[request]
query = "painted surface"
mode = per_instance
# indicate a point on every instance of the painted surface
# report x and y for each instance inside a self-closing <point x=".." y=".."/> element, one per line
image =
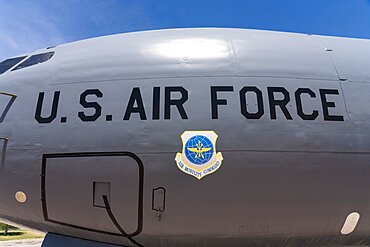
<point x="293" y="133"/>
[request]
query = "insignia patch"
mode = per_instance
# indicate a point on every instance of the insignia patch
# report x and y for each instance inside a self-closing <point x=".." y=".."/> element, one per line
<point x="199" y="157"/>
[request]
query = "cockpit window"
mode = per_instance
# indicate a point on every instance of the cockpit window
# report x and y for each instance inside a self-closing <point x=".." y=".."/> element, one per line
<point x="8" y="63"/>
<point x="35" y="59"/>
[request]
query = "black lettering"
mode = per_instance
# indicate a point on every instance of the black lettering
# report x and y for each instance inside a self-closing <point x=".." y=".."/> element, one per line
<point x="131" y="108"/>
<point x="94" y="105"/>
<point x="179" y="103"/>
<point x="54" y="108"/>
<point x="215" y="102"/>
<point x="298" y="100"/>
<point x="281" y="103"/>
<point x="243" y="103"/>
<point x="156" y="102"/>
<point x="326" y="105"/>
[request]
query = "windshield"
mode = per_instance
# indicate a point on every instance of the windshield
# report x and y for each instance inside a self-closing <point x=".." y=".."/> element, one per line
<point x="9" y="63"/>
<point x="35" y="59"/>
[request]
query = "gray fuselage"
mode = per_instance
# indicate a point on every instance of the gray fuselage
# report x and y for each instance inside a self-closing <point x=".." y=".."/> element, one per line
<point x="105" y="117"/>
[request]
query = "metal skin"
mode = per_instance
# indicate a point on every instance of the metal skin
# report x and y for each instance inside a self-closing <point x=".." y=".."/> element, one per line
<point x="290" y="176"/>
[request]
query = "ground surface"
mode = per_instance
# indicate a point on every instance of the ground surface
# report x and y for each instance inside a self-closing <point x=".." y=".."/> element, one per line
<point x="22" y="243"/>
<point x="19" y="235"/>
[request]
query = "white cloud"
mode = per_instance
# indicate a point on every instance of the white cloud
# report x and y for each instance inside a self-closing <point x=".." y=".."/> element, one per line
<point x="24" y="27"/>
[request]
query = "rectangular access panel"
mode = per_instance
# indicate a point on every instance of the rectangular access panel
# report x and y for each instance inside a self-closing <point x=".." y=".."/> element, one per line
<point x="74" y="186"/>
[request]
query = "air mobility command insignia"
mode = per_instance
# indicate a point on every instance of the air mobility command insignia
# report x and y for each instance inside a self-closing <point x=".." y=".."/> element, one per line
<point x="199" y="157"/>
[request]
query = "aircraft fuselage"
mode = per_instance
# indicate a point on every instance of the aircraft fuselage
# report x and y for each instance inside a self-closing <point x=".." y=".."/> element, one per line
<point x="93" y="140"/>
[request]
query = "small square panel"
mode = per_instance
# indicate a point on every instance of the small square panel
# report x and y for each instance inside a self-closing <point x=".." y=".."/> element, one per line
<point x="101" y="189"/>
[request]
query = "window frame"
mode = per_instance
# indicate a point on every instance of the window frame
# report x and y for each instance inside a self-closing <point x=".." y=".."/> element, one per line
<point x="20" y="59"/>
<point x="24" y="64"/>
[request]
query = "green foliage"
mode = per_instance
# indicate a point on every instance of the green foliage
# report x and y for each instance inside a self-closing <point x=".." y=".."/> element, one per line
<point x="6" y="227"/>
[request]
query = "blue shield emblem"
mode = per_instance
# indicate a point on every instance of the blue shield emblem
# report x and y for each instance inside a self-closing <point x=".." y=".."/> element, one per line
<point x="199" y="157"/>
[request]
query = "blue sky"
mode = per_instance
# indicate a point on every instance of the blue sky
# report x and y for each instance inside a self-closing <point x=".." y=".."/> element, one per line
<point x="29" y="25"/>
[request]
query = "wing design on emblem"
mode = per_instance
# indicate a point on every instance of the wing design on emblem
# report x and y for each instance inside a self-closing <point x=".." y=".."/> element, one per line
<point x="199" y="150"/>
